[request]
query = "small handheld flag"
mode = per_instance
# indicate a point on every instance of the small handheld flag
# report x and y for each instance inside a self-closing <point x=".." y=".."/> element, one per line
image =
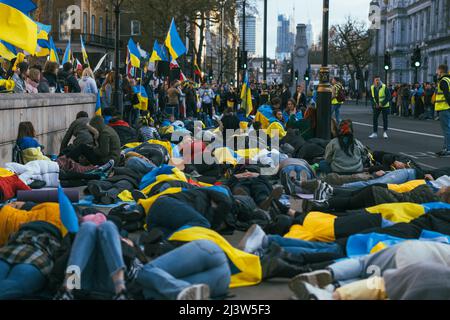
<point x="67" y="54"/>
<point x="84" y="52"/>
<point x="246" y="96"/>
<point x="135" y="55"/>
<point x="98" y="104"/>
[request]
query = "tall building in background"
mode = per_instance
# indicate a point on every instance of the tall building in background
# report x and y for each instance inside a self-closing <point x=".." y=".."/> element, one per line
<point x="285" y="38"/>
<point x="250" y="34"/>
<point x="309" y="34"/>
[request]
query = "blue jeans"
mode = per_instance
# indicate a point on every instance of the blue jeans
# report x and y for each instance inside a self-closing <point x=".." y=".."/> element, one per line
<point x="169" y="214"/>
<point x="139" y="165"/>
<point x="444" y="118"/>
<point x="98" y="253"/>
<point x="394" y="177"/>
<point x="336" y="109"/>
<point x="198" y="262"/>
<point x="19" y="281"/>
<point x="296" y="246"/>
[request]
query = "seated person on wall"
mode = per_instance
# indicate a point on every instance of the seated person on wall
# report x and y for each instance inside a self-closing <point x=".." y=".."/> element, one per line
<point x="82" y="132"/>
<point x="30" y="148"/>
<point x="108" y="145"/>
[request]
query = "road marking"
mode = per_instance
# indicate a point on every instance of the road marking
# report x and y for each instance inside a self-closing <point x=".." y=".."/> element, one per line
<point x="426" y="165"/>
<point x="401" y="130"/>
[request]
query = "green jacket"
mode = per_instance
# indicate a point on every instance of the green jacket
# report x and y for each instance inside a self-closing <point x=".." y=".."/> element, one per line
<point x="108" y="141"/>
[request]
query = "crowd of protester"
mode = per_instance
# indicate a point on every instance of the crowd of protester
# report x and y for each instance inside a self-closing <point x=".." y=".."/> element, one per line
<point x="321" y="213"/>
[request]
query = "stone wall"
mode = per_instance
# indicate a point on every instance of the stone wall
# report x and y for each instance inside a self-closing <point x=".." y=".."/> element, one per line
<point x="51" y="115"/>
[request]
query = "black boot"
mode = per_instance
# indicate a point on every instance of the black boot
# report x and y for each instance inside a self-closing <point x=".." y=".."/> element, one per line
<point x="274" y="266"/>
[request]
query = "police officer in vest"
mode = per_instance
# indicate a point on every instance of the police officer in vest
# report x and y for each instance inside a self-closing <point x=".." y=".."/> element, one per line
<point x="335" y="102"/>
<point x="381" y="98"/>
<point x="442" y="106"/>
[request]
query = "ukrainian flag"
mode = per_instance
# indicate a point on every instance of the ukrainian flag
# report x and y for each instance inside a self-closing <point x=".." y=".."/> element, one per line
<point x="173" y="42"/>
<point x="84" y="52"/>
<point x="135" y="55"/>
<point x="16" y="27"/>
<point x="26" y="6"/>
<point x="246" y="96"/>
<point x="98" y="105"/>
<point x="142" y="96"/>
<point x="159" y="53"/>
<point x="7" y="51"/>
<point x="53" y="51"/>
<point x="67" y="54"/>
<point x="43" y="44"/>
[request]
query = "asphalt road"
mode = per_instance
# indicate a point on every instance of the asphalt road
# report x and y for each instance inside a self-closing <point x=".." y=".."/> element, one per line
<point x="419" y="139"/>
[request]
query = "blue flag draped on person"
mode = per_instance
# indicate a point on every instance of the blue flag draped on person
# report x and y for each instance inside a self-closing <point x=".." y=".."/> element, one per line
<point x="84" y="52"/>
<point x="173" y="42"/>
<point x="16" y="27"/>
<point x="135" y="55"/>
<point x="67" y="54"/>
<point x="67" y="212"/>
<point x="246" y="96"/>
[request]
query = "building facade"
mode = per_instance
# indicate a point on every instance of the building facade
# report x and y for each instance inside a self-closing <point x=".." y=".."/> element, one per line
<point x="285" y="38"/>
<point x="404" y="25"/>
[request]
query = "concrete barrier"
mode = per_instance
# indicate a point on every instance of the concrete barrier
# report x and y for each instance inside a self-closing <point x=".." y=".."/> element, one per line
<point x="51" y="115"/>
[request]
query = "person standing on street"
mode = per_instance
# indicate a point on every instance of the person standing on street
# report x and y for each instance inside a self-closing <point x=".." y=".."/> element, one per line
<point x="337" y="99"/>
<point x="381" y="98"/>
<point x="442" y="106"/>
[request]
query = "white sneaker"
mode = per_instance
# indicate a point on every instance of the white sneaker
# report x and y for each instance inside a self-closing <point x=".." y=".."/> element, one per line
<point x="385" y="136"/>
<point x="306" y="291"/>
<point x="195" y="292"/>
<point x="253" y="239"/>
<point x="373" y="136"/>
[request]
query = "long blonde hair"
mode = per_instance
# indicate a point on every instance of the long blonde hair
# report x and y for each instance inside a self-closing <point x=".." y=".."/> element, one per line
<point x="88" y="73"/>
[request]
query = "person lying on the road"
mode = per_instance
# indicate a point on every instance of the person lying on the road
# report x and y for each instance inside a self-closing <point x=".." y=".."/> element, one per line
<point x="416" y="192"/>
<point x="399" y="258"/>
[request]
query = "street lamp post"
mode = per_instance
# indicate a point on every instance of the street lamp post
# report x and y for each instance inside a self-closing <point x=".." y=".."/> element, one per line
<point x="265" y="43"/>
<point x="117" y="94"/>
<point x="244" y="49"/>
<point x="324" y="89"/>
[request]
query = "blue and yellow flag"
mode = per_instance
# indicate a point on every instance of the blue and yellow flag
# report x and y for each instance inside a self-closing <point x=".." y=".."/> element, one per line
<point x="53" y="51"/>
<point x="43" y="44"/>
<point x="84" y="52"/>
<point x="16" y="27"/>
<point x="246" y="96"/>
<point x="67" y="54"/>
<point x="98" y="104"/>
<point x="173" y="42"/>
<point x="142" y="96"/>
<point x="135" y="55"/>
<point x="25" y="6"/>
<point x="159" y="53"/>
<point x="7" y="51"/>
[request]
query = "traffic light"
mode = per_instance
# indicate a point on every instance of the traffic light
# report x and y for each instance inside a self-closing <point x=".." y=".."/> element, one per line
<point x="211" y="74"/>
<point x="387" y="61"/>
<point x="244" y="60"/>
<point x="416" y="60"/>
<point x="296" y="75"/>
<point x="306" y="77"/>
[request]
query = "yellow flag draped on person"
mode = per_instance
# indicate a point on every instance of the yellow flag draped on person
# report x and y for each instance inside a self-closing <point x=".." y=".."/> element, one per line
<point x="17" y="28"/>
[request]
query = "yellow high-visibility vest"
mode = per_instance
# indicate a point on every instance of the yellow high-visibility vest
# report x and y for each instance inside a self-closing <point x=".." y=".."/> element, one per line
<point x="441" y="102"/>
<point x="381" y="95"/>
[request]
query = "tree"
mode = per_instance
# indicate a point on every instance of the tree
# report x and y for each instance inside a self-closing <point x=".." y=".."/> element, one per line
<point x="350" y="45"/>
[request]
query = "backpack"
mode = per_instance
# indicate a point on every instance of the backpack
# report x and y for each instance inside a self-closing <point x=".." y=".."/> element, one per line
<point x="341" y="95"/>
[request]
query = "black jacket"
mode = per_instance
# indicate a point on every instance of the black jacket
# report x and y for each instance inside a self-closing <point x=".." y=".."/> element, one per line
<point x="69" y="80"/>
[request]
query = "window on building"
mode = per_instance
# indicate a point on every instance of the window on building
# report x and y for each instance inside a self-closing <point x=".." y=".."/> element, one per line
<point x="100" y="26"/>
<point x="93" y="24"/>
<point x="135" y="28"/>
<point x="107" y="27"/>
<point x="85" y="23"/>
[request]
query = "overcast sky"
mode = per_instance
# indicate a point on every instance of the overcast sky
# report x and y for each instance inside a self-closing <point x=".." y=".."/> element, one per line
<point x="306" y="10"/>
